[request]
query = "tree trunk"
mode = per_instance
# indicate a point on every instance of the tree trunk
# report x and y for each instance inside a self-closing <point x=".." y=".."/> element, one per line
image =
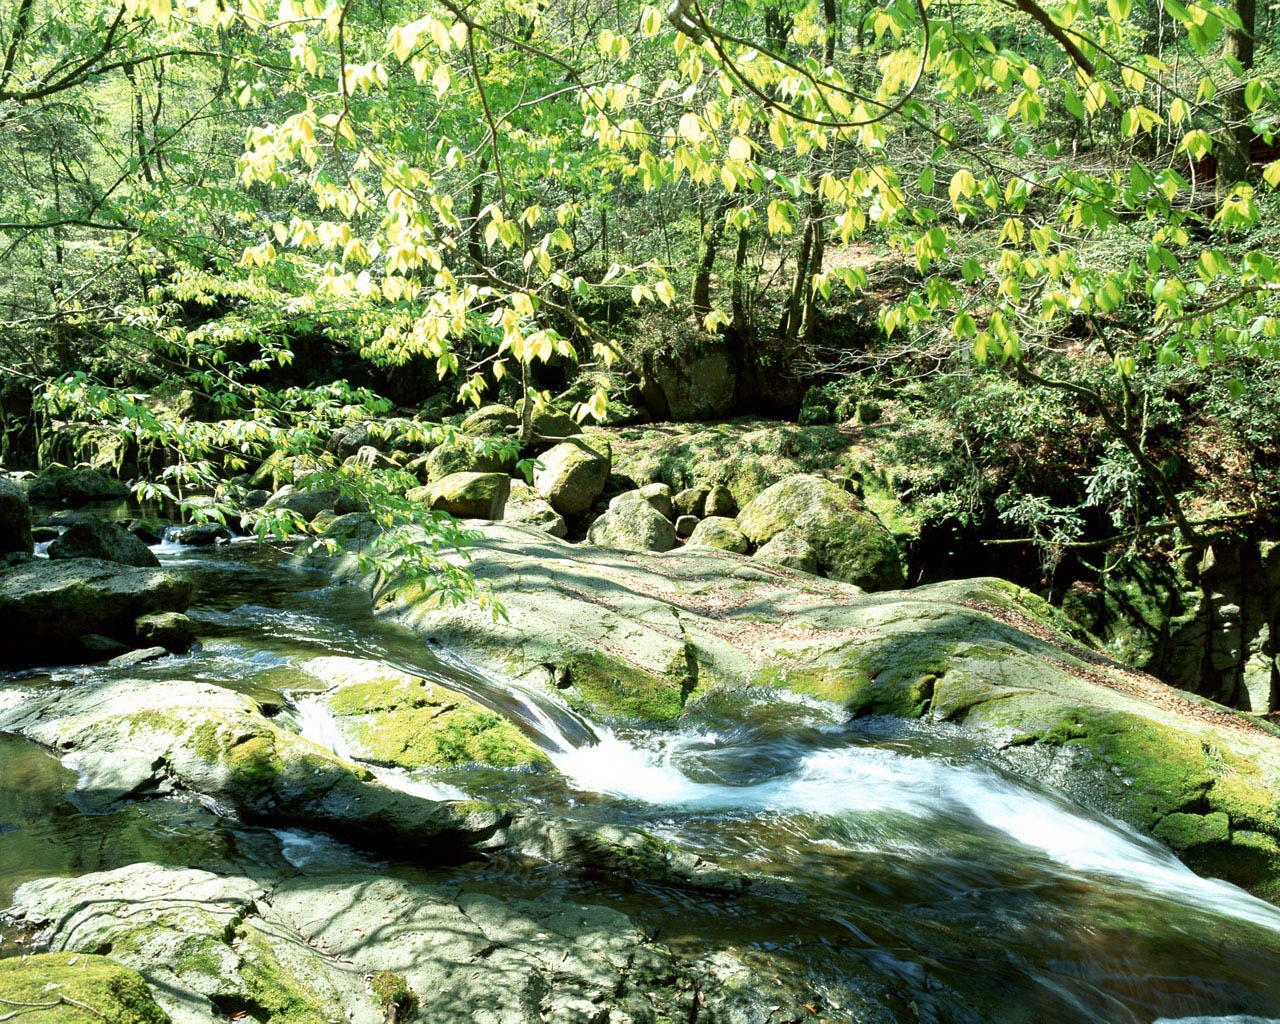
<point x="712" y="233"/>
<point x="1233" y="145"/>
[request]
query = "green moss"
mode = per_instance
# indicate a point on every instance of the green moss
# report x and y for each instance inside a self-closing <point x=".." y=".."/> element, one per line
<point x="274" y="993"/>
<point x="393" y="990"/>
<point x="1240" y="793"/>
<point x="614" y="687"/>
<point x="1188" y="831"/>
<point x="398" y="719"/>
<point x="114" y="992"/>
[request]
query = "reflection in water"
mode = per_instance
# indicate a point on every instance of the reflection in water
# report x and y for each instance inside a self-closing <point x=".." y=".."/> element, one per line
<point x="898" y="873"/>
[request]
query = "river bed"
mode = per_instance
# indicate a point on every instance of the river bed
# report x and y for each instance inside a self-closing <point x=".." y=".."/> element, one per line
<point x="903" y="872"/>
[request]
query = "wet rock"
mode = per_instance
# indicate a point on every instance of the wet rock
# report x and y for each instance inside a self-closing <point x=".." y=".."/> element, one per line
<point x="15" y="518"/>
<point x="97" y="538"/>
<point x="390" y="717"/>
<point x="633" y="525"/>
<point x="47" y="605"/>
<point x="171" y="630"/>
<point x="849" y="541"/>
<point x="139" y="657"/>
<point x="199" y="535"/>
<point x="573" y="474"/>
<point x="74" y="486"/>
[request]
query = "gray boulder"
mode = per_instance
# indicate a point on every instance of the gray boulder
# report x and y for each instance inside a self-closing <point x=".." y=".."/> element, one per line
<point x="573" y="474"/>
<point x="851" y="544"/>
<point x="463" y="456"/>
<point x="15" y="518"/>
<point x="719" y="532"/>
<point x="633" y="526"/>
<point x="789" y="551"/>
<point x="97" y="538"/>
<point x="692" y="381"/>
<point x="692" y="501"/>
<point x="527" y="506"/>
<point x="491" y="420"/>
<point x="47" y="605"/>
<point x="720" y="502"/>
<point x="657" y="495"/>
<point x="200" y="535"/>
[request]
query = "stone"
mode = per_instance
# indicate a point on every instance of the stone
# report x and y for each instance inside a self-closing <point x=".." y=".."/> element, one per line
<point x="347" y="440"/>
<point x="692" y="501"/>
<point x="369" y="457"/>
<point x="573" y="473"/>
<point x="695" y="381"/>
<point x="657" y="495"/>
<point x="720" y="502"/>
<point x="199" y="535"/>
<point x="97" y="538"/>
<point x="463" y="456"/>
<point x="685" y="525"/>
<point x="138" y="657"/>
<point x="786" y="549"/>
<point x="550" y="425"/>
<point x="171" y="630"/>
<point x="149" y="530"/>
<point x="96" y="647"/>
<point x="491" y="420"/>
<point x="466" y="495"/>
<point x="309" y="502"/>
<point x="633" y="526"/>
<point x="15" y="518"/>
<point x="851" y="544"/>
<point x="527" y="506"/>
<point x="279" y="468"/>
<point x="719" y="532"/>
<point x="73" y="486"/>
<point x="47" y="605"/>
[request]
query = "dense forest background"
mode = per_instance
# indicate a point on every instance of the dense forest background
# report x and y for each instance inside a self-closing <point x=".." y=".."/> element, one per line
<point x="1046" y="237"/>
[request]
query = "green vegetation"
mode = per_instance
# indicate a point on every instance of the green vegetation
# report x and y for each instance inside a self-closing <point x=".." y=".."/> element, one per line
<point x="75" y="988"/>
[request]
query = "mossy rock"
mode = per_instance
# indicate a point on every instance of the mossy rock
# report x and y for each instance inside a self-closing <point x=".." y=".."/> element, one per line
<point x="851" y="544"/>
<point x="108" y="990"/>
<point x="719" y="532"/>
<point x="390" y="717"/>
<point x="465" y="456"/>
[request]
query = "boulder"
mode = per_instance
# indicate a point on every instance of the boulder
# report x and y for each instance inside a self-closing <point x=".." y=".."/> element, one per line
<point x="47" y="605"/>
<point x="97" y="538"/>
<point x="309" y="502"/>
<point x="692" y="501"/>
<point x="550" y="424"/>
<point x="720" y="502"/>
<point x="694" y="381"/>
<point x="199" y="535"/>
<point x="390" y="717"/>
<point x="15" y="518"/>
<point x="849" y="541"/>
<point x="171" y="630"/>
<point x="463" y="456"/>
<point x="657" y="495"/>
<point x="347" y="440"/>
<point x="719" y="532"/>
<point x="466" y="495"/>
<point x="633" y="526"/>
<point x="573" y="474"/>
<point x="366" y="950"/>
<point x="527" y="506"/>
<point x="491" y="420"/>
<point x="786" y="549"/>
<point x="149" y="529"/>
<point x="685" y="525"/>
<point x="73" y="486"/>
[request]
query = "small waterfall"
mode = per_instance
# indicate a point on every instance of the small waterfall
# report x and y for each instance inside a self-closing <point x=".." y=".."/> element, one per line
<point x="864" y="780"/>
<point x="317" y="724"/>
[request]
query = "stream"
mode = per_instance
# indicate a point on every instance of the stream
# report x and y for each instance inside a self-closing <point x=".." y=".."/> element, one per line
<point x="906" y="873"/>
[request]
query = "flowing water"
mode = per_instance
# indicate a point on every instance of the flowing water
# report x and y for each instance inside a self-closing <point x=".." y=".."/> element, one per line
<point x="904" y="874"/>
